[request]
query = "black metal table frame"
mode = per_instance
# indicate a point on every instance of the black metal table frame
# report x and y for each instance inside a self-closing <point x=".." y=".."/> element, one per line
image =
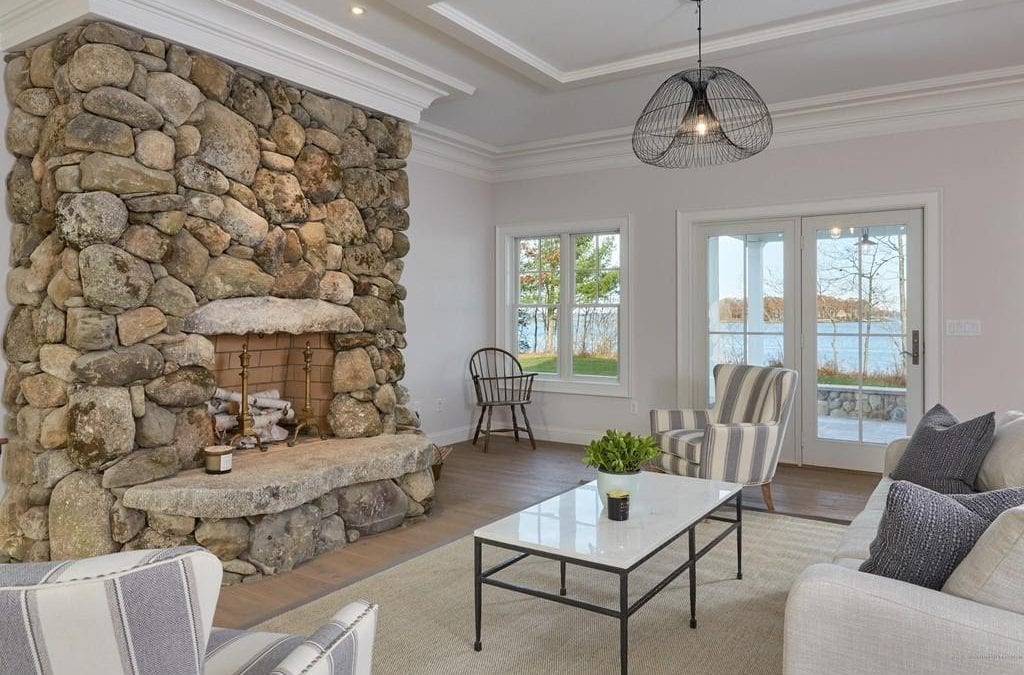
<point x="483" y="577"/>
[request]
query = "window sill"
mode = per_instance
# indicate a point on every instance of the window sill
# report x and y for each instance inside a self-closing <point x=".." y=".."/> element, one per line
<point x="581" y="387"/>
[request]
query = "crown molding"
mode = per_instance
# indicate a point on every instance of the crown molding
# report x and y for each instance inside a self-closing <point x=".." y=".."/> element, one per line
<point x="957" y="100"/>
<point x="273" y="37"/>
<point x="484" y="38"/>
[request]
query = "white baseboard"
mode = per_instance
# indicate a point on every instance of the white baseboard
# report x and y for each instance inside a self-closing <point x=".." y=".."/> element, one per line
<point x="449" y="436"/>
<point x="552" y="434"/>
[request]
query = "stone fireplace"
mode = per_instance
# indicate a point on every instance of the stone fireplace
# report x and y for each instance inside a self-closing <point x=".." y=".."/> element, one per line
<point x="168" y="206"/>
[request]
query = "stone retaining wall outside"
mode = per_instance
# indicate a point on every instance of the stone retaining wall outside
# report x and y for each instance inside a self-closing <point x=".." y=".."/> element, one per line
<point x="878" y="403"/>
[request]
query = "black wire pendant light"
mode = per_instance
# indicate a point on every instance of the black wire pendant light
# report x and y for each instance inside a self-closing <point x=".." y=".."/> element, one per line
<point x="701" y="117"/>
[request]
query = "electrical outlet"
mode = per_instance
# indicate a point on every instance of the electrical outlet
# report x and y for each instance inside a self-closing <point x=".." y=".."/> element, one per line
<point x="439" y="405"/>
<point x="634" y="407"/>
<point x="963" y="327"/>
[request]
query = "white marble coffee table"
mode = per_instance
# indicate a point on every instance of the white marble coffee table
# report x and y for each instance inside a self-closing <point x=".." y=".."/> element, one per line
<point x="573" y="529"/>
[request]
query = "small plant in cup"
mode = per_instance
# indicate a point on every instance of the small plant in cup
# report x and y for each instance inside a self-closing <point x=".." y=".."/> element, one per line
<point x="618" y="457"/>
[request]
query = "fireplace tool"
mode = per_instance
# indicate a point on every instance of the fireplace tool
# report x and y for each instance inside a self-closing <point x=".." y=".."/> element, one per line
<point x="307" y="420"/>
<point x="245" y="429"/>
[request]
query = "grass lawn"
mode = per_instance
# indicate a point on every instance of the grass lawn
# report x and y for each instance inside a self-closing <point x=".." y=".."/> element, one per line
<point x="869" y="381"/>
<point x="581" y="365"/>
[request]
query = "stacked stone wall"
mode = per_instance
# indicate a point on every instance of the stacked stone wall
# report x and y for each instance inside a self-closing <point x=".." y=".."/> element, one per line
<point x="157" y="189"/>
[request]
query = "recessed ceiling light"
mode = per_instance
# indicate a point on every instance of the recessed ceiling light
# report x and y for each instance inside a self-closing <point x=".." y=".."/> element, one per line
<point x="358" y="10"/>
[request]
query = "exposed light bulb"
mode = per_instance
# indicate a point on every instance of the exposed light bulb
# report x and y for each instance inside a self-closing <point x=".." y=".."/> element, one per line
<point x="701" y="127"/>
<point x="358" y="10"/>
<point x="835" y="232"/>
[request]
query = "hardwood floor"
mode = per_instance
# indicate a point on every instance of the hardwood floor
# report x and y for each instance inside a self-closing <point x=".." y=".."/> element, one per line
<point x="477" y="488"/>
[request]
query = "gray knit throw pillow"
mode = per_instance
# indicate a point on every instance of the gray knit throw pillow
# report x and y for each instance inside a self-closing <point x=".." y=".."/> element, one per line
<point x="946" y="455"/>
<point x="924" y="535"/>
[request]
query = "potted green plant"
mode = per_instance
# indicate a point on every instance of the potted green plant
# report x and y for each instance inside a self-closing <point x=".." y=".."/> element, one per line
<point x="618" y="456"/>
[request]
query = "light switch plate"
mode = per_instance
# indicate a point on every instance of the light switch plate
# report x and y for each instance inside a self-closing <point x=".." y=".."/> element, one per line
<point x="963" y="327"/>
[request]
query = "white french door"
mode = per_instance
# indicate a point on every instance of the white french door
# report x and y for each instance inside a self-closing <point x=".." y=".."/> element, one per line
<point x="837" y="298"/>
<point x="863" y="298"/>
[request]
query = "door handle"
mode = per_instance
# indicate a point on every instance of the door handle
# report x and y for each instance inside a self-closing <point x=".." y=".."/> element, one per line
<point x="915" y="348"/>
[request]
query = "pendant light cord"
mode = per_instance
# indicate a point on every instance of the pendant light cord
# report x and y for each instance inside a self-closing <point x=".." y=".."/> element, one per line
<point x="700" y="41"/>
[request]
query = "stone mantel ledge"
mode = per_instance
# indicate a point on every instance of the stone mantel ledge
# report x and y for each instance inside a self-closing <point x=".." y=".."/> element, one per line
<point x="241" y="316"/>
<point x="283" y="478"/>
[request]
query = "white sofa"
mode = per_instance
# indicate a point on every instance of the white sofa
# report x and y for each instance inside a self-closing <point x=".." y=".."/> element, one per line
<point x="841" y="621"/>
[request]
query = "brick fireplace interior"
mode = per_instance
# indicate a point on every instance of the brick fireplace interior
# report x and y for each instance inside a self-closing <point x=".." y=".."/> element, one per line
<point x="276" y="362"/>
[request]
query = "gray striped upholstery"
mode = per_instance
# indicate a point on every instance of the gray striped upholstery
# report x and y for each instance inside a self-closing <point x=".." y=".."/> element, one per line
<point x="740" y="438"/>
<point x="137" y="612"/>
<point x="344" y="646"/>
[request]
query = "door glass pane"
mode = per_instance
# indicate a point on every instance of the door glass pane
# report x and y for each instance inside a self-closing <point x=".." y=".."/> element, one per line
<point x="861" y="324"/>
<point x="746" y="308"/>
<point x="537" y="338"/>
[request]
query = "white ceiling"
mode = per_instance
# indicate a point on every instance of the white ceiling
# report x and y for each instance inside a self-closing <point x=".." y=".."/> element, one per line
<point x="540" y="69"/>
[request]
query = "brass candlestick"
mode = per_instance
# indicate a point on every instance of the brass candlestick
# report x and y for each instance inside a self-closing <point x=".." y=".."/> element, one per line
<point x="245" y="429"/>
<point x="306" y="417"/>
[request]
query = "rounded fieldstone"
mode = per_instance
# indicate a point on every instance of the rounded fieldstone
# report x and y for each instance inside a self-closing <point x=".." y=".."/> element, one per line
<point x="327" y="141"/>
<point x="355" y="151"/>
<point x="91" y="218"/>
<point x="126" y="523"/>
<point x="350" y="418"/>
<point x="365" y="260"/>
<point x="56" y="359"/>
<point x="79" y="518"/>
<point x="280" y="541"/>
<point x="17" y="77"/>
<point x="226" y="539"/>
<point x="366" y="187"/>
<point x="186" y="259"/>
<point x="251" y="102"/>
<point x="296" y="280"/>
<point x="145" y="242"/>
<point x="182" y="388"/>
<point x="331" y="113"/>
<point x="112" y="368"/>
<point x="98" y="65"/>
<point x="123" y="106"/>
<point x="155" y="150"/>
<point x="172" y="297"/>
<point x="212" y="76"/>
<point x="369" y="508"/>
<point x="229" y="143"/>
<point x="123" y="175"/>
<point x="288" y="135"/>
<point x="138" y="324"/>
<point x="245" y="226"/>
<point x="100" y="425"/>
<point x="280" y="196"/>
<point x="23" y="130"/>
<point x="175" y="98"/>
<point x="352" y="371"/>
<point x="319" y="174"/>
<point x="143" y="466"/>
<point x="19" y="338"/>
<point x="113" y="277"/>
<point x="44" y="391"/>
<point x="194" y="350"/>
<point x="228" y="277"/>
<point x="37" y="101"/>
<point x="22" y="192"/>
<point x="101" y="31"/>
<point x="196" y="175"/>
<point x="90" y="329"/>
<point x="336" y="287"/>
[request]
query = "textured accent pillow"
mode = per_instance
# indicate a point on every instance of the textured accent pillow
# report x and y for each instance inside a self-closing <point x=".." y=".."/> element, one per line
<point x="945" y="455"/>
<point x="993" y="572"/>
<point x="1004" y="464"/>
<point x="923" y="536"/>
<point x="991" y="505"/>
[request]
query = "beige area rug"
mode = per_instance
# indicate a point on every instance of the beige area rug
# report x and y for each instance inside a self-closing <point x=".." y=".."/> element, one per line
<point x="426" y="620"/>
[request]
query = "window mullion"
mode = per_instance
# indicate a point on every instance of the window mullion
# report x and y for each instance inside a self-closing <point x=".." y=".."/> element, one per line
<point x="567" y="287"/>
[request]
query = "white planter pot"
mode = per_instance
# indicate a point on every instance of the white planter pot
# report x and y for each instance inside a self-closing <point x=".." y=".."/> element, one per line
<point x="607" y="482"/>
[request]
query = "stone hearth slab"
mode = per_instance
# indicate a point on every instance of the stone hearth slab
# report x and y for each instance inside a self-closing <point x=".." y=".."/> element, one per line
<point x="283" y="477"/>
<point x="240" y="316"/>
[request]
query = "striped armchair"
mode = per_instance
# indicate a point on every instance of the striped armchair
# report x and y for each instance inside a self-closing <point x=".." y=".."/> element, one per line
<point x="740" y="438"/>
<point x="151" y="612"/>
